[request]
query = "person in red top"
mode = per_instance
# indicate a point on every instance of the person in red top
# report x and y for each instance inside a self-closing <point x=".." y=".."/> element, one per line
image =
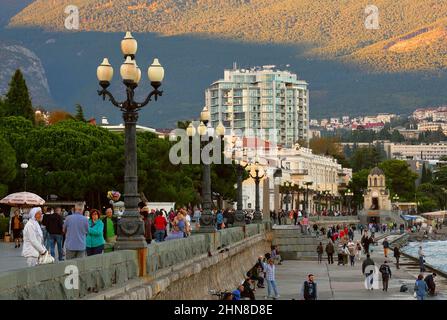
<point x="335" y="236"/>
<point x="160" y="227"/>
<point x="342" y="234"/>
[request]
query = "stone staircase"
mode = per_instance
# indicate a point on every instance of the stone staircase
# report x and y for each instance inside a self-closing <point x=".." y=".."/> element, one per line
<point x="293" y="245"/>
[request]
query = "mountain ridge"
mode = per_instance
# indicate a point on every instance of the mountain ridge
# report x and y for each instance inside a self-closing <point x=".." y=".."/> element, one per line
<point x="332" y="29"/>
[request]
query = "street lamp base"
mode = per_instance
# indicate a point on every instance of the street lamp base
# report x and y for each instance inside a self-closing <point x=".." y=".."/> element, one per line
<point x="130" y="243"/>
<point x="257" y="217"/>
<point x="130" y="233"/>
<point x="239" y="218"/>
<point x="207" y="222"/>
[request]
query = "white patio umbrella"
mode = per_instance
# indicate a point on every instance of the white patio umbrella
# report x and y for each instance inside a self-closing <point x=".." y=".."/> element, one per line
<point x="23" y="199"/>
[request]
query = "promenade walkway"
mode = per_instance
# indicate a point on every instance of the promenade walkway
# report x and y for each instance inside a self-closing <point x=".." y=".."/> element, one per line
<point x="10" y="257"/>
<point x="346" y="282"/>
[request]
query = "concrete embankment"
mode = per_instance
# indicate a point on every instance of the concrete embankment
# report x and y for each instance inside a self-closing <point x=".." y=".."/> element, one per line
<point x="203" y="262"/>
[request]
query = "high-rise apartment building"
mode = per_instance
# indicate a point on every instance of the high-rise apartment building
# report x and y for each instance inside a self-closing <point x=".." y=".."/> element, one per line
<point x="261" y="98"/>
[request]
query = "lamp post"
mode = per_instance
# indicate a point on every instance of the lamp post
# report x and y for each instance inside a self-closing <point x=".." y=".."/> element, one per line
<point x="24" y="166"/>
<point x="396" y="200"/>
<point x="287" y="186"/>
<point x="130" y="227"/>
<point x="349" y="194"/>
<point x="254" y="171"/>
<point x="239" y="217"/>
<point x="308" y="183"/>
<point x="207" y="219"/>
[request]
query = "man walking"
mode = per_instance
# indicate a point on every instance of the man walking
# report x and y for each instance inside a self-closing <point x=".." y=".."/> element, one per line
<point x="76" y="230"/>
<point x="386" y="246"/>
<point x="385" y="270"/>
<point x="271" y="280"/>
<point x="430" y="280"/>
<point x="352" y="252"/>
<point x="370" y="274"/>
<point x="309" y="289"/>
<point x="110" y="225"/>
<point x="330" y="252"/>
<point x="421" y="256"/>
<point x="320" y="252"/>
<point x="295" y="217"/>
<point x="397" y="255"/>
<point x="54" y="225"/>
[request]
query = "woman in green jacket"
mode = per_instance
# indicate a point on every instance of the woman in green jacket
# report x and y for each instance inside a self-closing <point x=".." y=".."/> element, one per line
<point x="95" y="236"/>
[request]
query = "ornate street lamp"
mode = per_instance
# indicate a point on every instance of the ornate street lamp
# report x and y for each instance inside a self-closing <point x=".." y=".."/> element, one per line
<point x="349" y="194"/>
<point x="287" y="186"/>
<point x="207" y="218"/>
<point x="239" y="217"/>
<point x="308" y="184"/>
<point x="24" y="166"/>
<point x="256" y="173"/>
<point x="130" y="227"/>
<point x="396" y="200"/>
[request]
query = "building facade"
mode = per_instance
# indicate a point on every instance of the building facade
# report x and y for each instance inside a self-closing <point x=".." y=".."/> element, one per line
<point x="311" y="174"/>
<point x="432" y="126"/>
<point x="431" y="151"/>
<point x="263" y="101"/>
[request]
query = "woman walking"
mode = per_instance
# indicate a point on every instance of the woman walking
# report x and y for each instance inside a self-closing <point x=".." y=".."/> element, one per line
<point x="320" y="252"/>
<point x="17" y="227"/>
<point x="95" y="237"/>
<point x="359" y="250"/>
<point x="420" y="288"/>
<point x="33" y="246"/>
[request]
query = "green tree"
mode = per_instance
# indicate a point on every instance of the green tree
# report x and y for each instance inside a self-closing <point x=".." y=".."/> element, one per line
<point x="329" y="146"/>
<point x="79" y="113"/>
<point x="358" y="184"/>
<point x="426" y="174"/>
<point x="18" y="101"/>
<point x="397" y="137"/>
<point x="431" y="197"/>
<point x="399" y="178"/>
<point x="7" y="166"/>
<point x="440" y="177"/>
<point x="75" y="160"/>
<point x="365" y="158"/>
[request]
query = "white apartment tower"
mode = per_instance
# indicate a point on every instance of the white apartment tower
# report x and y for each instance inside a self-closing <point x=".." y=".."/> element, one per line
<point x="261" y="98"/>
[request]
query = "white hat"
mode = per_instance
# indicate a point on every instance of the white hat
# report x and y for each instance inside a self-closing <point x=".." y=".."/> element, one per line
<point x="33" y="212"/>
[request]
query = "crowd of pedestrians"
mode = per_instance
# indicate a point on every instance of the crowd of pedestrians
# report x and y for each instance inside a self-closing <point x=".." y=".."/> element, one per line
<point x="78" y="232"/>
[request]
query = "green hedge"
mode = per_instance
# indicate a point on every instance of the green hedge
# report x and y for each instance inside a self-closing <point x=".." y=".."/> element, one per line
<point x="4" y="226"/>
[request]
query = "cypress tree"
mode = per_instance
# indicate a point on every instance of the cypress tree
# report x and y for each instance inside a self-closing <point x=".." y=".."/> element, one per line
<point x="18" y="101"/>
<point x="79" y="113"/>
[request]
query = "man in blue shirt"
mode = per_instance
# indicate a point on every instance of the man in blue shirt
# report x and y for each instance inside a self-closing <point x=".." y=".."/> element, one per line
<point x="237" y="293"/>
<point x="76" y="230"/>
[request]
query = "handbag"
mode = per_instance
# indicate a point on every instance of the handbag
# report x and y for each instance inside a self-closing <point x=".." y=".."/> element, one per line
<point x="46" y="258"/>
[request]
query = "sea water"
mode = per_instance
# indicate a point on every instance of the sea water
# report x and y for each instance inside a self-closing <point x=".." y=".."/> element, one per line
<point x="435" y="252"/>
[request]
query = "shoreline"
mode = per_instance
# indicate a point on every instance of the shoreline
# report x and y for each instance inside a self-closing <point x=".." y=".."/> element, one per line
<point x="403" y="242"/>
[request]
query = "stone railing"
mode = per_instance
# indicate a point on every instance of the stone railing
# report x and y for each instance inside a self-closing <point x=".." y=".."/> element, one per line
<point x="115" y="274"/>
<point x="53" y="281"/>
<point x="166" y="254"/>
<point x="202" y="261"/>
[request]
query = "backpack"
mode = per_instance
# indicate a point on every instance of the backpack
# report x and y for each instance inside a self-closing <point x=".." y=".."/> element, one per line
<point x="385" y="270"/>
<point x="403" y="288"/>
